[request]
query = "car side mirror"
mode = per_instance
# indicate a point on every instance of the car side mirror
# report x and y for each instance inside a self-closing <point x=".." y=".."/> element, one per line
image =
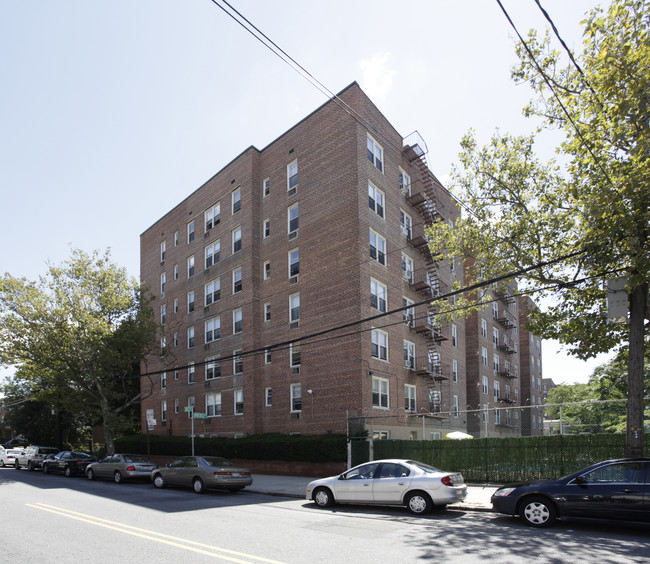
<point x="342" y="477"/>
<point x="581" y="480"/>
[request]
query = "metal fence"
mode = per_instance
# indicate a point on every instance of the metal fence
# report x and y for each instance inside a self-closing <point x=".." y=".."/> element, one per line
<point x="500" y="460"/>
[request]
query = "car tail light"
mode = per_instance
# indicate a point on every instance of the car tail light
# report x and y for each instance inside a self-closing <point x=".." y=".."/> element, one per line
<point x="223" y="474"/>
<point x="447" y="481"/>
<point x="130" y="468"/>
<point x="80" y="463"/>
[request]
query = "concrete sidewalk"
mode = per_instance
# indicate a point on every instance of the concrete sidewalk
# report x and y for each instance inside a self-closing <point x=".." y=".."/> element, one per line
<point x="478" y="497"/>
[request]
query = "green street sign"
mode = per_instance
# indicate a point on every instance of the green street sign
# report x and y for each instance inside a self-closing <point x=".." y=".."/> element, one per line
<point x="200" y="415"/>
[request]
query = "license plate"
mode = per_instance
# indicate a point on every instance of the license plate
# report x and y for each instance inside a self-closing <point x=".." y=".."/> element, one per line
<point x="236" y="475"/>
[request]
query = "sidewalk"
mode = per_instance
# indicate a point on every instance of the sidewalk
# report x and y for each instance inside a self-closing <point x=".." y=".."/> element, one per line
<point x="478" y="497"/>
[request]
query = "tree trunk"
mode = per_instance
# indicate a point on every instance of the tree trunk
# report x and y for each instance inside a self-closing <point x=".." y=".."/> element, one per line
<point x="635" y="380"/>
<point x="108" y="433"/>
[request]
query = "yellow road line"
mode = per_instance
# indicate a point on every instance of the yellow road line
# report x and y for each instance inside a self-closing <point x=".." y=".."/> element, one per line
<point x="178" y="542"/>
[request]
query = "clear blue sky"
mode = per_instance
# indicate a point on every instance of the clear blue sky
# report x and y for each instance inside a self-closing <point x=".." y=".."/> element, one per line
<point x="112" y="111"/>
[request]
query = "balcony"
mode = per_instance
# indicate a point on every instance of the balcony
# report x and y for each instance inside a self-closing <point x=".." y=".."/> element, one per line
<point x="435" y="369"/>
<point x="506" y="319"/>
<point x="508" y="348"/>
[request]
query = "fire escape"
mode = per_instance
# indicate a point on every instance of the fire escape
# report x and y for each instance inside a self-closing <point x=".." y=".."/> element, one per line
<point x="425" y="320"/>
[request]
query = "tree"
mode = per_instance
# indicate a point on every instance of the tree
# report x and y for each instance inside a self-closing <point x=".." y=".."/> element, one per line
<point x="585" y="221"/>
<point x="78" y="336"/>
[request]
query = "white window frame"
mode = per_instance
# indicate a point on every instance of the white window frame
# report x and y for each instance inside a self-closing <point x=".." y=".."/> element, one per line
<point x="294" y="262"/>
<point x="380" y="393"/>
<point x="236" y="200"/>
<point x="190" y="338"/>
<point x="163" y="284"/>
<point x="191" y="301"/>
<point x="163" y="410"/>
<point x="212" y="292"/>
<point x="191" y="232"/>
<point x="237" y="321"/>
<point x="294" y="307"/>
<point x="212" y="368"/>
<point x="212" y="253"/>
<point x="267" y="311"/>
<point x="213" y="329"/>
<point x="293" y="219"/>
<point x="410" y="398"/>
<point x="266" y="187"/>
<point x="190" y="266"/>
<point x="296" y="397"/>
<point x="238" y="401"/>
<point x="268" y="397"/>
<point x="404" y="182"/>
<point x="378" y="247"/>
<point x="292" y="175"/>
<point x="485" y="385"/>
<point x="409" y="354"/>
<point x="375" y="154"/>
<point x="213" y="408"/>
<point x="295" y="355"/>
<point x="211" y="217"/>
<point x="407" y="268"/>
<point x="266" y="228"/>
<point x="237" y="278"/>
<point x="236" y="239"/>
<point x="376" y="200"/>
<point x="379" y="292"/>
<point x="406" y="224"/>
<point x="379" y="342"/>
<point x="454" y="370"/>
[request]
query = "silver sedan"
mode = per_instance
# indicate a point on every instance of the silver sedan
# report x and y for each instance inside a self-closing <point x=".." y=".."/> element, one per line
<point x="118" y="467"/>
<point x="416" y="485"/>
<point x="201" y="472"/>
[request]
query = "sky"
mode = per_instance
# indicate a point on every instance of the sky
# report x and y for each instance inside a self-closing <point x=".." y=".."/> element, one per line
<point x="113" y="111"/>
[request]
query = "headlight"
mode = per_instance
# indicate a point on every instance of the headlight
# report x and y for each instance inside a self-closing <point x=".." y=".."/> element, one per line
<point x="504" y="491"/>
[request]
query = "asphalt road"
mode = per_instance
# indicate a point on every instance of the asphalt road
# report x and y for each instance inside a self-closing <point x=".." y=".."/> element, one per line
<point x="50" y="518"/>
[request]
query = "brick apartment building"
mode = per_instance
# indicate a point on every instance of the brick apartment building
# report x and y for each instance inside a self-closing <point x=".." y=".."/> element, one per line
<point x="281" y="285"/>
<point x="533" y="392"/>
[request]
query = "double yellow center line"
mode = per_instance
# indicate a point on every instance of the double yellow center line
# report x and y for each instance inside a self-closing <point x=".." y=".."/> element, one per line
<point x="184" y="544"/>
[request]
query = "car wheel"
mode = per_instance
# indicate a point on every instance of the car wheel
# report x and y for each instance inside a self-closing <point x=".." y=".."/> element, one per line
<point x="117" y="476"/>
<point x="419" y="503"/>
<point x="67" y="472"/>
<point x="323" y="497"/>
<point x="537" y="512"/>
<point x="159" y="481"/>
<point x="2" y="462"/>
<point x="90" y="474"/>
<point x="198" y="486"/>
<point x="17" y="465"/>
<point x="46" y="469"/>
<point x="30" y="466"/>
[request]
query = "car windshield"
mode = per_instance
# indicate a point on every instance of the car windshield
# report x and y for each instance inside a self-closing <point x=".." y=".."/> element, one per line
<point x="424" y="467"/>
<point x="136" y="458"/>
<point x="80" y="455"/>
<point x="217" y="461"/>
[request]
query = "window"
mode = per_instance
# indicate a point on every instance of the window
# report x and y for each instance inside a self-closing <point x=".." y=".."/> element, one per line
<point x="237" y="321"/>
<point x="375" y="154"/>
<point x="212" y="291"/>
<point x="266" y="187"/>
<point x="455" y="407"/>
<point x="484" y="356"/>
<point x="407" y="268"/>
<point x="236" y="240"/>
<point x="268" y="397"/>
<point x="236" y="200"/>
<point x="267" y="356"/>
<point x="163" y="345"/>
<point x="190" y="232"/>
<point x="236" y="281"/>
<point x="292" y="219"/>
<point x="267" y="312"/>
<point x="379" y="392"/>
<point x="175" y="272"/>
<point x="508" y="392"/>
<point x="267" y="270"/>
<point x="212" y="254"/>
<point x="379" y="347"/>
<point x="377" y="247"/>
<point x="296" y="397"/>
<point x="292" y="175"/>
<point x="176" y="374"/>
<point x="237" y="362"/>
<point x="497" y="417"/>
<point x="175" y="337"/>
<point x="486" y="384"/>
<point x="483" y="328"/>
<point x="486" y="413"/>
<point x="495" y="337"/>
<point x="163" y="251"/>
<point x="239" y="401"/>
<point x="163" y="284"/>
<point x="409" y="313"/>
<point x="190" y="302"/>
<point x="213" y="329"/>
<point x="409" y="398"/>
<point x="212" y="368"/>
<point x="454" y="335"/>
<point x="294" y="355"/>
<point x="266" y="228"/>
<point x="294" y="263"/>
<point x="497" y="390"/>
<point x="175" y="305"/>
<point x="375" y="199"/>
<point x="454" y="371"/>
<point x="176" y="406"/>
<point x="163" y="381"/>
<point x="495" y="361"/>
<point x="213" y="405"/>
<point x="406" y="224"/>
<point x="294" y="308"/>
<point x="190" y="266"/>
<point x="190" y="337"/>
<point x="404" y="182"/>
<point x="409" y="355"/>
<point x="191" y="376"/>
<point x="163" y="314"/>
<point x="378" y="294"/>
<point x="495" y="310"/>
<point x="175" y="238"/>
<point x="212" y="216"/>
<point x="163" y="410"/>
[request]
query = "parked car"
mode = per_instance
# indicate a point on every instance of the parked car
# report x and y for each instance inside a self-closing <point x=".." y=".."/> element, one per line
<point x="416" y="485"/>
<point x="612" y="489"/>
<point x="120" y="467"/>
<point x="201" y="472"/>
<point x="8" y="456"/>
<point x="34" y="456"/>
<point x="68" y="462"/>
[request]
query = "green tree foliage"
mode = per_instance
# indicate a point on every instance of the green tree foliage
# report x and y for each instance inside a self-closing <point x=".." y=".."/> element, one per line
<point x="526" y="211"/>
<point x="78" y="336"/>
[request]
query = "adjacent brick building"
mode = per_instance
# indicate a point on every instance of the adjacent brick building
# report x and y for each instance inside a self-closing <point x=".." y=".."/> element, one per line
<point x="296" y="292"/>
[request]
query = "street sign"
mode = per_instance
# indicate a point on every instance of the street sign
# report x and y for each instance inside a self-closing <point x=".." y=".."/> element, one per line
<point x="151" y="422"/>
<point x="200" y="415"/>
<point x="188" y="409"/>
